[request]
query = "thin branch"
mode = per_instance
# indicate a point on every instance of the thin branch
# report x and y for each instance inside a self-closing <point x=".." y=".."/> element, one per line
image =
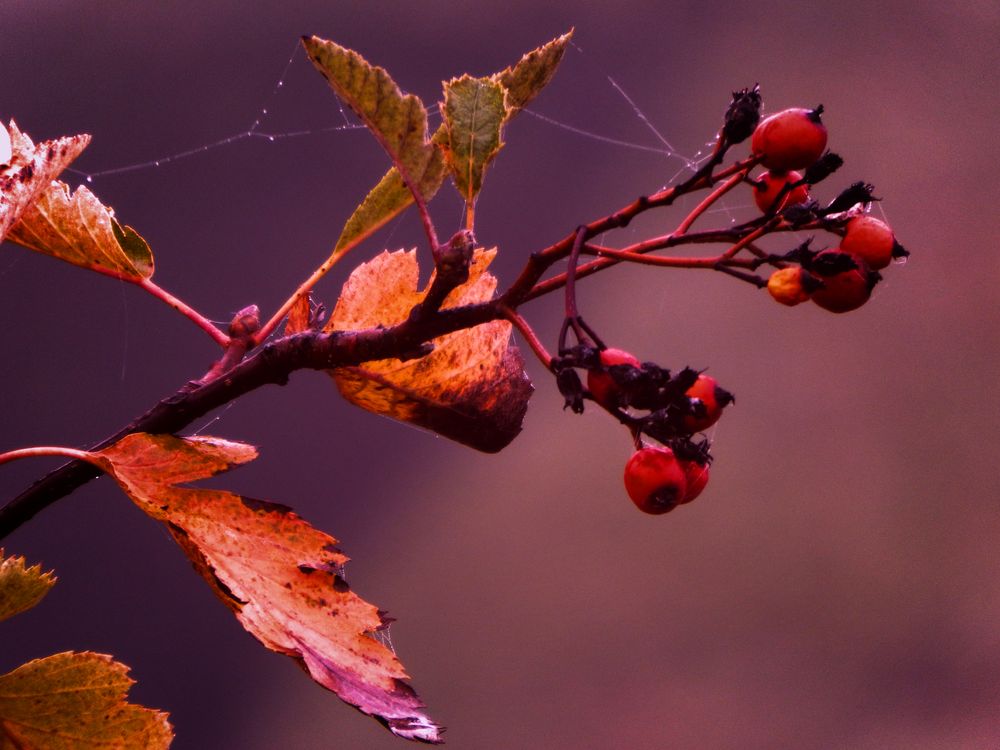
<point x="42" y="450"/>
<point x="186" y="310"/>
<point x="528" y="333"/>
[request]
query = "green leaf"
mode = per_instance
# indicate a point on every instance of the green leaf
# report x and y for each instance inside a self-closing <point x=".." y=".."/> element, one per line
<point x="474" y="110"/>
<point x="76" y="701"/>
<point x="77" y="228"/>
<point x="525" y="80"/>
<point x="21" y="588"/>
<point x="398" y="122"/>
<point x="29" y="171"/>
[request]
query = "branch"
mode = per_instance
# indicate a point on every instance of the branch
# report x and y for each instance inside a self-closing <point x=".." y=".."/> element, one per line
<point x="270" y="365"/>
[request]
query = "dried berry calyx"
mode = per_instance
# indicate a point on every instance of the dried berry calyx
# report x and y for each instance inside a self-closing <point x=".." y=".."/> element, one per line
<point x="743" y="115"/>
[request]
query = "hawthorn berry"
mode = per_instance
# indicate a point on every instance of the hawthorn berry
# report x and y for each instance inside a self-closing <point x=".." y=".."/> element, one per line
<point x="788" y="285"/>
<point x="769" y="184"/>
<point x="847" y="281"/>
<point x="696" y="475"/>
<point x="711" y="400"/>
<point x="655" y="480"/>
<point x="601" y="385"/>
<point x="869" y="239"/>
<point x="790" y="139"/>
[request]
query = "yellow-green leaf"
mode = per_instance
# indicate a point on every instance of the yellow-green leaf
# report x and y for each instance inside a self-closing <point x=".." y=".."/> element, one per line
<point x="472" y="388"/>
<point x="398" y="122"/>
<point x="76" y="701"/>
<point x="30" y="169"/>
<point x="78" y="228"/>
<point x="391" y="196"/>
<point x="21" y="587"/>
<point x="280" y="576"/>
<point x="473" y="110"/>
<point x="525" y="80"/>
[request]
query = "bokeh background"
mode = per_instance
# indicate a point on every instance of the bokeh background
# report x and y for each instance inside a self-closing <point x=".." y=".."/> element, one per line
<point x="835" y="587"/>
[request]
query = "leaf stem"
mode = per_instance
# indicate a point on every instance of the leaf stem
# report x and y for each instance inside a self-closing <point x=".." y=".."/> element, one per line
<point x="186" y="310"/>
<point x="43" y="450"/>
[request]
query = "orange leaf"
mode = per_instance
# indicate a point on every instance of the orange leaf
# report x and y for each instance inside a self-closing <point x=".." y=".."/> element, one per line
<point x="280" y="576"/>
<point x="30" y="170"/>
<point x="21" y="587"/>
<point x="472" y="388"/>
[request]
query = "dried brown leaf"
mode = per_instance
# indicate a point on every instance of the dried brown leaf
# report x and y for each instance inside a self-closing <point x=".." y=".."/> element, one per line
<point x="29" y="171"/>
<point x="472" y="388"/>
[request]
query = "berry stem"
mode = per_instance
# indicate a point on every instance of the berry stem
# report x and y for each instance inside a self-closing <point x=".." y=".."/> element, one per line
<point x="711" y="198"/>
<point x="528" y="333"/>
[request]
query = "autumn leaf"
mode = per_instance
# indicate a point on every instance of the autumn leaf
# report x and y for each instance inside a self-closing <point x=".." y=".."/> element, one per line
<point x="525" y="80"/>
<point x="472" y="388"/>
<point x="76" y="701"/>
<point x="299" y="316"/>
<point x="281" y="577"/>
<point x="78" y="228"/>
<point x="29" y="171"/>
<point x="398" y="122"/>
<point x="21" y="587"/>
<point x="473" y="110"/>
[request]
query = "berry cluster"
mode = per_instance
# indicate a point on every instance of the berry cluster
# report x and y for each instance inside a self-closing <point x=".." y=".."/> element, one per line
<point x="657" y="478"/>
<point x="671" y="409"/>
<point x="838" y="279"/>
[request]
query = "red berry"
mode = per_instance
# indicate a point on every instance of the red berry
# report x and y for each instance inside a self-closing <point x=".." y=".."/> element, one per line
<point x="712" y="400"/>
<point x="870" y="239"/>
<point x="791" y="139"/>
<point x="696" y="475"/>
<point x="847" y="281"/>
<point x="655" y="480"/>
<point x="600" y="383"/>
<point x="770" y="184"/>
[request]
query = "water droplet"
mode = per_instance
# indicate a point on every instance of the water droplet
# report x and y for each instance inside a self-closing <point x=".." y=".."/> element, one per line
<point x="156" y="163"/>
<point x="90" y="178"/>
<point x="264" y="110"/>
<point x="271" y="138"/>
<point x="280" y="84"/>
<point x="900" y="261"/>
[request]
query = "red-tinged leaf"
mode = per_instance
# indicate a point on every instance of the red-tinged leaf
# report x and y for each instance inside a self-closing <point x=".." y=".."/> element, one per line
<point x="279" y="575"/>
<point x="77" y="228"/>
<point x="76" y="701"/>
<point x="29" y="170"/>
<point x="472" y="388"/>
<point x="21" y="587"/>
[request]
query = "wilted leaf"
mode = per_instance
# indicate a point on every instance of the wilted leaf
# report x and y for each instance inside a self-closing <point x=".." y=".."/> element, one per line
<point x="281" y="577"/>
<point x="398" y="122"/>
<point x="78" y="228"/>
<point x="76" y="701"/>
<point x="30" y="170"/>
<point x="473" y="112"/>
<point x="525" y="80"/>
<point x="472" y="388"/>
<point x="21" y="588"/>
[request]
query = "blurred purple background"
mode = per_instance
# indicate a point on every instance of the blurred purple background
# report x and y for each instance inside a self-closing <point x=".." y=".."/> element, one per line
<point x="835" y="587"/>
